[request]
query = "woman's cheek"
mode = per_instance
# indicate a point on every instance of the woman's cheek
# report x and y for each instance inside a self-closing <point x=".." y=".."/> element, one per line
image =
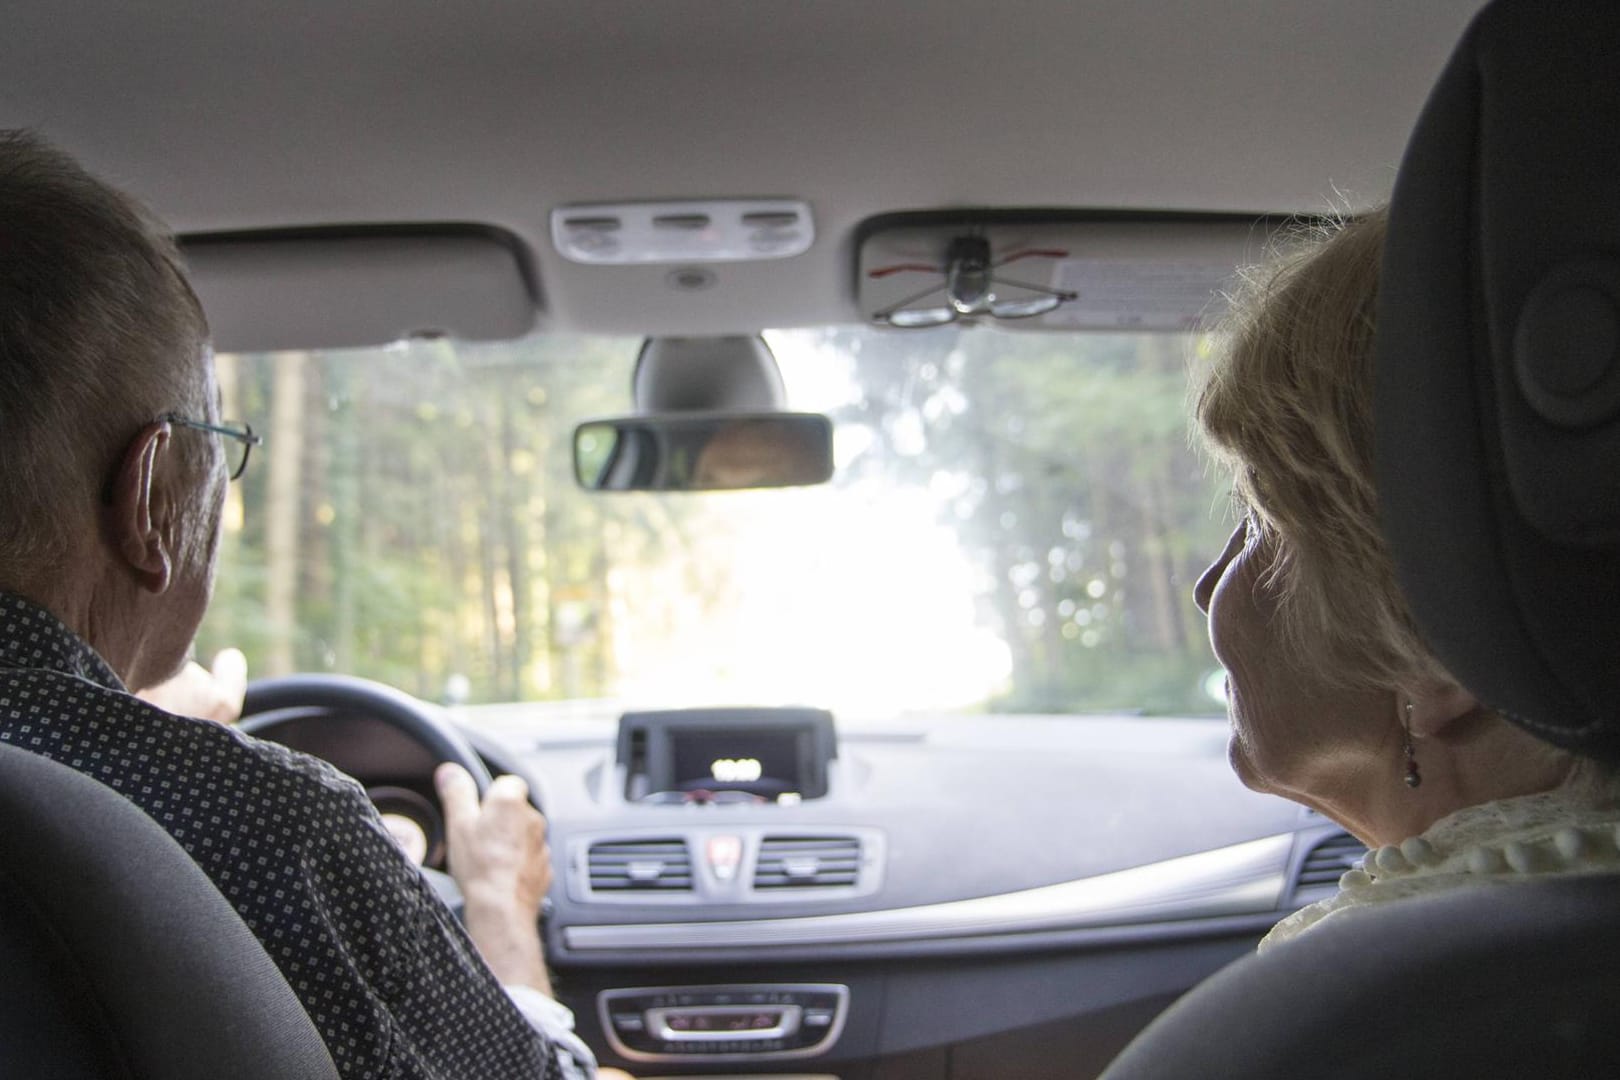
<point x="1237" y="757"/>
<point x="1248" y="755"/>
<point x="1253" y="746"/>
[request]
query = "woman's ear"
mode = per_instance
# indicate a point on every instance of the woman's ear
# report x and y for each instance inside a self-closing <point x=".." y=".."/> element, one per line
<point x="1438" y="704"/>
<point x="134" y="511"/>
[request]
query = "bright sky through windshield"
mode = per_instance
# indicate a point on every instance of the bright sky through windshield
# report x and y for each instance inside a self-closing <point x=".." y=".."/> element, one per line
<point x="889" y="624"/>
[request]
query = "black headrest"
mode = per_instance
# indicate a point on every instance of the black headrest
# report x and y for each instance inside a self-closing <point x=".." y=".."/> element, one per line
<point x="1498" y="386"/>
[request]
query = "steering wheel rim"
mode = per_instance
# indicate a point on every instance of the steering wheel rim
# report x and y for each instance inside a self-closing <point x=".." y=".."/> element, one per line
<point x="413" y="717"/>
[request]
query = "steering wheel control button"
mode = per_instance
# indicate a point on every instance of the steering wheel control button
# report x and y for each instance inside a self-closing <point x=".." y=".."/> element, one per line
<point x="730" y="1023"/>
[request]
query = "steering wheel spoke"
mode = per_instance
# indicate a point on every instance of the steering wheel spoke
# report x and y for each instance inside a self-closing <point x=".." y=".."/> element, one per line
<point x="287" y="709"/>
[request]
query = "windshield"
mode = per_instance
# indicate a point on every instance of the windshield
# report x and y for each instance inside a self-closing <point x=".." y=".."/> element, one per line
<point x="1015" y="524"/>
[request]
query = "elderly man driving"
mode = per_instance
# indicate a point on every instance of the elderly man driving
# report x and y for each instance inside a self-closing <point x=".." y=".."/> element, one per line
<point x="113" y="469"/>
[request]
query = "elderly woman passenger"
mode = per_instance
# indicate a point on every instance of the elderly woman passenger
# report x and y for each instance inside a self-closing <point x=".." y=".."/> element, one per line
<point x="1334" y="699"/>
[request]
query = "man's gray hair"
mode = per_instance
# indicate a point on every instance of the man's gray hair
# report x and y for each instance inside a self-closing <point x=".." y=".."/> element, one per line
<point x="99" y="334"/>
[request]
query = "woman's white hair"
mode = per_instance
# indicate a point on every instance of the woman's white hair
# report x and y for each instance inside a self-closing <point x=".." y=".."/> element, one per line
<point x="1287" y="407"/>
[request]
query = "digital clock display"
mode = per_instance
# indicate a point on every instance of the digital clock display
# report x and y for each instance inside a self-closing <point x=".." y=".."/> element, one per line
<point x="743" y="755"/>
<point x="765" y="763"/>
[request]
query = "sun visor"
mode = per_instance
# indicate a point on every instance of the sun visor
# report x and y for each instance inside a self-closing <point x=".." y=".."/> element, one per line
<point x="328" y="289"/>
<point x="1032" y="270"/>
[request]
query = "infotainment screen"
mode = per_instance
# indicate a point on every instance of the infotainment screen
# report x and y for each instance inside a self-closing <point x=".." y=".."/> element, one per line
<point x="766" y="753"/>
<point x="763" y="762"/>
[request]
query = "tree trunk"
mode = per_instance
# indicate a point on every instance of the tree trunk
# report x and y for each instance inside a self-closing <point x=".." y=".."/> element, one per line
<point x="227" y="373"/>
<point x="1160" y="568"/>
<point x="345" y="487"/>
<point x="285" y="451"/>
<point x="515" y="496"/>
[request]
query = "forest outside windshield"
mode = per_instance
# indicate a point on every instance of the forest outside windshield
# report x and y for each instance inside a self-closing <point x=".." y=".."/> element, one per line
<point x="1015" y="525"/>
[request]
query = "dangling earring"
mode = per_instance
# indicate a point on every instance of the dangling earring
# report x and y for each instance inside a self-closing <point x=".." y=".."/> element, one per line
<point x="1413" y="777"/>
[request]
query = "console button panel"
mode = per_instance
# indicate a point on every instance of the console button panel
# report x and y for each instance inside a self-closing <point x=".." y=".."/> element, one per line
<point x="756" y="1022"/>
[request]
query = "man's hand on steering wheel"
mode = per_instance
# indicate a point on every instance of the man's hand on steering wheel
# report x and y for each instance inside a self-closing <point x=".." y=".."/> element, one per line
<point x="211" y="693"/>
<point x="496" y="846"/>
<point x="500" y="859"/>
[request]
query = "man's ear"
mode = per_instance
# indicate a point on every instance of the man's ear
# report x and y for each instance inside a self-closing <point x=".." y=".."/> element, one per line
<point x="138" y="507"/>
<point x="1438" y="704"/>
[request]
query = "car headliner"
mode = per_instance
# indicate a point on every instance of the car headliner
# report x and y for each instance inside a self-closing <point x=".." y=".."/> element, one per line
<point x="310" y="112"/>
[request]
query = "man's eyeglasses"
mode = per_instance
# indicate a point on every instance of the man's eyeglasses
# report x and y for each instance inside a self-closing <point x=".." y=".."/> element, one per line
<point x="239" y="446"/>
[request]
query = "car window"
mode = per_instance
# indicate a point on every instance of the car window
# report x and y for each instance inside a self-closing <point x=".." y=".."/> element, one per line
<point x="1014" y="526"/>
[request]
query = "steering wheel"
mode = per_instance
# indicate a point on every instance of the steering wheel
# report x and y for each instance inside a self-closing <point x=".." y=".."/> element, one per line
<point x="290" y="700"/>
<point x="269" y="700"/>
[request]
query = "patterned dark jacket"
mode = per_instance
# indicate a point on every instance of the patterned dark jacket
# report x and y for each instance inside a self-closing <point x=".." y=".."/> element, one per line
<point x="388" y="976"/>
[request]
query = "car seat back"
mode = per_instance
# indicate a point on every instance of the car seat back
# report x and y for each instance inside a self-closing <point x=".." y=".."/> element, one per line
<point x="118" y="957"/>
<point x="1471" y="983"/>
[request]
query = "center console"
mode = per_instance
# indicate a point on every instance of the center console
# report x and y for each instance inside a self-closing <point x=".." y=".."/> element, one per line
<point x="757" y="1022"/>
<point x="723" y="820"/>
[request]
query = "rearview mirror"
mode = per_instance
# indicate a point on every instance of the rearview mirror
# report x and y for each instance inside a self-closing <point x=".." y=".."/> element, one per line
<point x="703" y="452"/>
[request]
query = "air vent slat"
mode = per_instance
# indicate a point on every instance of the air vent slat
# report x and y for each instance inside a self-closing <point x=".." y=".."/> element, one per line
<point x="618" y="859"/>
<point x="617" y="850"/>
<point x="664" y="874"/>
<point x="1328" y="861"/>
<point x="808" y="862"/>
<point x="640" y="866"/>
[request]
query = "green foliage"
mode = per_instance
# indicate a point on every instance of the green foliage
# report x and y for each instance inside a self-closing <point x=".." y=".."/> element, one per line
<point x="1079" y="494"/>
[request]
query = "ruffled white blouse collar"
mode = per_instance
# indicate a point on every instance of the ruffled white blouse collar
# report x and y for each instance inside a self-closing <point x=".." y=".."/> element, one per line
<point x="1494" y="843"/>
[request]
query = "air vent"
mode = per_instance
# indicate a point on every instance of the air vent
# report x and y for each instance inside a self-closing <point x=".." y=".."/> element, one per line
<point x="1328" y="860"/>
<point x="807" y="862"/>
<point x="640" y="866"/>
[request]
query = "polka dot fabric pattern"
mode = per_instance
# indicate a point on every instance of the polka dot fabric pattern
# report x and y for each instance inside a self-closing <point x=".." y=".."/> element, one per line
<point x="386" y="973"/>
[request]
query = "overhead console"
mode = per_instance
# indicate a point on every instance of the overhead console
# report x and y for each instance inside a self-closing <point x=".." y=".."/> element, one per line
<point x="743" y="755"/>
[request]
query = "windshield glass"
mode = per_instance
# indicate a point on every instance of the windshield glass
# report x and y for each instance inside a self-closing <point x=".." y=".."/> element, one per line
<point x="1015" y="524"/>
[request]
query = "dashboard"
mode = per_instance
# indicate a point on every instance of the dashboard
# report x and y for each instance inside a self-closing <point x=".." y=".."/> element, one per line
<point x="927" y="896"/>
<point x="785" y="892"/>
